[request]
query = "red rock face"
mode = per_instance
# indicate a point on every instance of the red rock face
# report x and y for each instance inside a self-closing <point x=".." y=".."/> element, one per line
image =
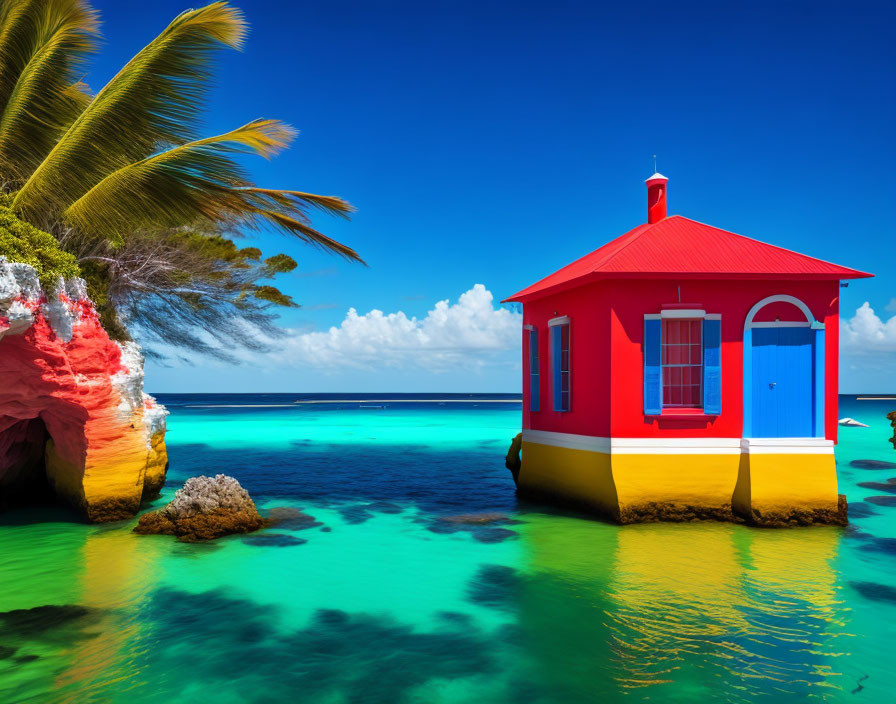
<point x="73" y="415"/>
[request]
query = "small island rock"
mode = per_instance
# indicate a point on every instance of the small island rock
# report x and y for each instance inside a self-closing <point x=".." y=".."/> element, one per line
<point x="891" y="416"/>
<point x="513" y="461"/>
<point x="203" y="509"/>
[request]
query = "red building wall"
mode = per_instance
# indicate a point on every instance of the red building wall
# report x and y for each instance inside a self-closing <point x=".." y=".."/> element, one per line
<point x="589" y="348"/>
<point x="606" y="330"/>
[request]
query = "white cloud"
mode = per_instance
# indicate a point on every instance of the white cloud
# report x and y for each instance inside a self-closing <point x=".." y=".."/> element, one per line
<point x="470" y="333"/>
<point x="865" y="334"/>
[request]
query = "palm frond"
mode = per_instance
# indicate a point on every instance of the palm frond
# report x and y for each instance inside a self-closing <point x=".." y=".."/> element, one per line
<point x="200" y="184"/>
<point x="332" y="205"/>
<point x="43" y="46"/>
<point x="181" y="186"/>
<point x="301" y="229"/>
<point x="151" y="103"/>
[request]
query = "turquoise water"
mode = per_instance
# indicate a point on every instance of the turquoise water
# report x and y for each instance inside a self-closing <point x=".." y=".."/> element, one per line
<point x="380" y="600"/>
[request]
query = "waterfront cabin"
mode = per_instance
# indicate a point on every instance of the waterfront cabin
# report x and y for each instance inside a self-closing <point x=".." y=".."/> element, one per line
<point x="683" y="371"/>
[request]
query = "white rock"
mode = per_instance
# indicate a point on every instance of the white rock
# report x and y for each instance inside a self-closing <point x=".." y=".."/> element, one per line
<point x="26" y="279"/>
<point x="154" y="417"/>
<point x="20" y="318"/>
<point x="9" y="288"/>
<point x="60" y="317"/>
<point x="129" y="382"/>
<point x="76" y="288"/>
<point x="852" y="423"/>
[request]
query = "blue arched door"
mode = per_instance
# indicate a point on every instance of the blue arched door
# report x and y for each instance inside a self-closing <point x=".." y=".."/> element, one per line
<point x="783" y="361"/>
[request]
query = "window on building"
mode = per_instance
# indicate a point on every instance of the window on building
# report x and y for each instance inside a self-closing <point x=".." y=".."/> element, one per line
<point x="533" y="370"/>
<point x="560" y="362"/>
<point x="682" y="363"/>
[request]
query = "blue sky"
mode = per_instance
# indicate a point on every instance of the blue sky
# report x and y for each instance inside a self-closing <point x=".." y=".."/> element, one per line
<point x="491" y="143"/>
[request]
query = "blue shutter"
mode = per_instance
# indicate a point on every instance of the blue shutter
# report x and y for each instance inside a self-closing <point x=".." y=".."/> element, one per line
<point x="555" y="366"/>
<point x="533" y="371"/>
<point x="819" y="382"/>
<point x="712" y="367"/>
<point x="652" y="368"/>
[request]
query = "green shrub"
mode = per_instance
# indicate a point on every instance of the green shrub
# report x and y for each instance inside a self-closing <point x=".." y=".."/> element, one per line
<point x="21" y="242"/>
<point x="280" y="264"/>
<point x="275" y="296"/>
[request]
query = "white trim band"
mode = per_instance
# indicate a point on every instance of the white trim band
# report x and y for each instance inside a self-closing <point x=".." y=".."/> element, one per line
<point x="681" y="446"/>
<point x="562" y="320"/>
<point x="787" y="446"/>
<point x="675" y="446"/>
<point x="636" y="446"/>
<point x="567" y="440"/>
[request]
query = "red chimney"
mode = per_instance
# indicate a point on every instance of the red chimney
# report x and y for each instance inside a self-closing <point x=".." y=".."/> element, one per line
<point x="656" y="198"/>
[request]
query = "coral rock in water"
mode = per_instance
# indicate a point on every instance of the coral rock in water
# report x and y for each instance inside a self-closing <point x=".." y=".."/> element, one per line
<point x="203" y="509"/>
<point x="74" y="420"/>
<point x="891" y="416"/>
<point x="513" y="462"/>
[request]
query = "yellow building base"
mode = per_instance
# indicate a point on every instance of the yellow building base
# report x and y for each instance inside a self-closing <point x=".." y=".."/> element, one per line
<point x="777" y="485"/>
<point x="576" y="476"/>
<point x="772" y="482"/>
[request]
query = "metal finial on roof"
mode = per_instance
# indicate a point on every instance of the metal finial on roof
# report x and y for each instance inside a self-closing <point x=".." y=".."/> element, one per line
<point x="655" y="170"/>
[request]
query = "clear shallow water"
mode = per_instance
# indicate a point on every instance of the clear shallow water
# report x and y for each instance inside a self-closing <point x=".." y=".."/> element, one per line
<point x="382" y="601"/>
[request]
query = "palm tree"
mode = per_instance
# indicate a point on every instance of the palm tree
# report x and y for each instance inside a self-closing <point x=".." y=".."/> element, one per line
<point x="121" y="177"/>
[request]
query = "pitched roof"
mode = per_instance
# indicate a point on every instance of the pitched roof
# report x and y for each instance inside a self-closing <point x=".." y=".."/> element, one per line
<point x="680" y="247"/>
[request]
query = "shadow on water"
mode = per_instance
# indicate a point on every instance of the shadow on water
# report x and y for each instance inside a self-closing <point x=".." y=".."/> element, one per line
<point x="31" y="641"/>
<point x="875" y="591"/>
<point x="273" y="540"/>
<point x="354" y="657"/>
<point x="57" y="622"/>
<point x="40" y="513"/>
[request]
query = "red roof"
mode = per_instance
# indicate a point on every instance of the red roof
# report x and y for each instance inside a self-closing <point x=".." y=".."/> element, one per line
<point x="683" y="248"/>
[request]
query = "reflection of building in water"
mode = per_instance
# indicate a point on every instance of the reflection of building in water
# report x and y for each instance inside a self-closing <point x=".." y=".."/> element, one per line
<point x="116" y="572"/>
<point x="563" y="602"/>
<point x="681" y="613"/>
<point x="794" y="614"/>
<point x="678" y="600"/>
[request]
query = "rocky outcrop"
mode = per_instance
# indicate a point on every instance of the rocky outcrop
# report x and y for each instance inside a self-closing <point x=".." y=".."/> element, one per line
<point x="203" y="509"/>
<point x="891" y="416"/>
<point x="671" y="512"/>
<point x="803" y="517"/>
<point x="74" y="420"/>
<point x="513" y="461"/>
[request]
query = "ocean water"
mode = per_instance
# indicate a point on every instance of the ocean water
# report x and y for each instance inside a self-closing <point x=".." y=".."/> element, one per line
<point x="378" y="599"/>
